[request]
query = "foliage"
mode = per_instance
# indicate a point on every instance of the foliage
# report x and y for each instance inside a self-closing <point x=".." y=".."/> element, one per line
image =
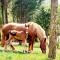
<point x="25" y="8"/>
<point x="43" y="18"/>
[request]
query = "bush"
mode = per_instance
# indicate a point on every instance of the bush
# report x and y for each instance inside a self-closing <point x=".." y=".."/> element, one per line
<point x="44" y="18"/>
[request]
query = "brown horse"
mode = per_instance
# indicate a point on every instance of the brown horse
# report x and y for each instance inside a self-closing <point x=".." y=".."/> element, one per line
<point x="34" y="31"/>
<point x="16" y="35"/>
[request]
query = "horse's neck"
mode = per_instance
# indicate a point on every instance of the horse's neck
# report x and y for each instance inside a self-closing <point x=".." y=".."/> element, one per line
<point x="41" y="34"/>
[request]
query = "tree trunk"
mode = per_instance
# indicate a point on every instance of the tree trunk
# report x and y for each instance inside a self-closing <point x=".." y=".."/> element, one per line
<point x="53" y="33"/>
<point x="4" y="11"/>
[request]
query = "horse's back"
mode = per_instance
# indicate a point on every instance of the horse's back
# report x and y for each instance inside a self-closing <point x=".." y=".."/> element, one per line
<point x="12" y="26"/>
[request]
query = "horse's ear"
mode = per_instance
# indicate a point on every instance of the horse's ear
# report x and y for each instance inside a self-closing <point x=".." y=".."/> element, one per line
<point x="26" y="25"/>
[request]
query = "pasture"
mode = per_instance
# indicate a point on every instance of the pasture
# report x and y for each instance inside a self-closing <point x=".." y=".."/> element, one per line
<point x="35" y="55"/>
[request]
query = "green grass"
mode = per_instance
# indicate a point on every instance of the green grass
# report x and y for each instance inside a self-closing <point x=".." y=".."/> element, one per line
<point x="20" y="56"/>
<point x="35" y="55"/>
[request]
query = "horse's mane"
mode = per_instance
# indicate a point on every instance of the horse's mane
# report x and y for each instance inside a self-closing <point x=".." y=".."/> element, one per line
<point x="39" y="30"/>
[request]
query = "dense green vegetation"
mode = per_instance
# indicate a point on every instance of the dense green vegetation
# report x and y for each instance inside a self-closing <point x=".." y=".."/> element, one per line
<point x="43" y="18"/>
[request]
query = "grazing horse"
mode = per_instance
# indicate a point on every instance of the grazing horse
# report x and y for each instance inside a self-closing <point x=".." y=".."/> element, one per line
<point x="34" y="31"/>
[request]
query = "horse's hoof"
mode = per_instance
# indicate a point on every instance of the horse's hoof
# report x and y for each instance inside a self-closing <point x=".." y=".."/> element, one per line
<point x="28" y="51"/>
<point x="25" y="51"/>
<point x="13" y="48"/>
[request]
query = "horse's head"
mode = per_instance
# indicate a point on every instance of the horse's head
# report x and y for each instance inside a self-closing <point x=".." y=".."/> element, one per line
<point x="43" y="45"/>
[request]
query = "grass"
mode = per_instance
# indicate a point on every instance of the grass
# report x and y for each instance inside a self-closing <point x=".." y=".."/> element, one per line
<point x="35" y="55"/>
<point x="20" y="56"/>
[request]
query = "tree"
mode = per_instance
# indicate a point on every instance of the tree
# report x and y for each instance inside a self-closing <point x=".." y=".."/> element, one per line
<point x="4" y="11"/>
<point x="53" y="33"/>
<point x="22" y="9"/>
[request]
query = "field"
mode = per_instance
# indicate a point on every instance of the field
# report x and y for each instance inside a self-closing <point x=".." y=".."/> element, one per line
<point x="35" y="55"/>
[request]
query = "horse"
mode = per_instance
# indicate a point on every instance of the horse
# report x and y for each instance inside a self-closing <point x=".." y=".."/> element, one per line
<point x="16" y="35"/>
<point x="34" y="31"/>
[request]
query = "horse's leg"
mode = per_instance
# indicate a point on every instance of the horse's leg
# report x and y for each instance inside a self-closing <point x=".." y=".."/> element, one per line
<point x="3" y="39"/>
<point x="5" y="47"/>
<point x="31" y="44"/>
<point x="12" y="47"/>
<point x="24" y="46"/>
<point x="10" y="41"/>
<point x="6" y="42"/>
